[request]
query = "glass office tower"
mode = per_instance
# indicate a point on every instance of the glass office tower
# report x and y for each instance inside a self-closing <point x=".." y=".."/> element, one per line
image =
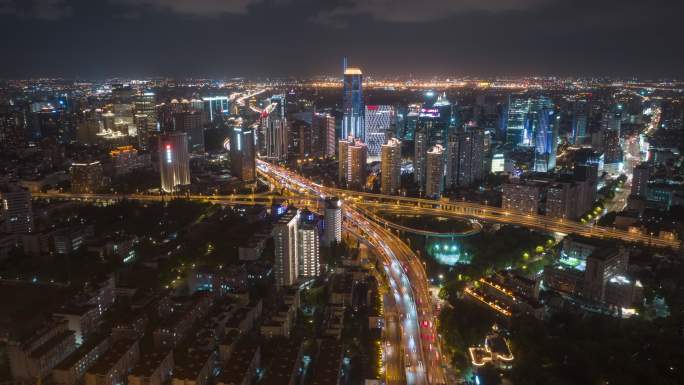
<point x="352" y="105"/>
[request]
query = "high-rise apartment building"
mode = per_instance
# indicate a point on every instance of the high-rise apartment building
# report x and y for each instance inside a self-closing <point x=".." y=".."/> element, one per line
<point x="285" y="238"/>
<point x="86" y="177"/>
<point x="323" y="131"/>
<point x="16" y="210"/>
<point x="352" y="105"/>
<point x="308" y="245"/>
<point x="434" y="172"/>
<point x="243" y="154"/>
<point x="390" y="164"/>
<point x="420" y="147"/>
<point x="174" y="161"/>
<point x="301" y="137"/>
<point x="352" y="156"/>
<point x="332" y="221"/>
<point x="378" y="121"/>
<point x="465" y="157"/>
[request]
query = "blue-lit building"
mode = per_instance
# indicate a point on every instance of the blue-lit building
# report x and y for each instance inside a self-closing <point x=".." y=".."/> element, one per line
<point x="216" y="107"/>
<point x="579" y="122"/>
<point x="352" y="105"/>
<point x="523" y="117"/>
<point x="545" y="131"/>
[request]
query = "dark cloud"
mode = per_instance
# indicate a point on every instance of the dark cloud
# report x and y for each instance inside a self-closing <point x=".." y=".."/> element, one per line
<point x="38" y="9"/>
<point x="194" y="7"/>
<point x="417" y="11"/>
<point x="101" y="38"/>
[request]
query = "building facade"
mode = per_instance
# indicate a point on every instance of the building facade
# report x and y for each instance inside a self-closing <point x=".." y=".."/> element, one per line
<point x="174" y="161"/>
<point x="352" y="105"/>
<point x="390" y="164"/>
<point x="243" y="154"/>
<point x="434" y="173"/>
<point x="285" y="237"/>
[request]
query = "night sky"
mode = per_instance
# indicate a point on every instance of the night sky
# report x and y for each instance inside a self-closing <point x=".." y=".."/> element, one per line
<point x="225" y="38"/>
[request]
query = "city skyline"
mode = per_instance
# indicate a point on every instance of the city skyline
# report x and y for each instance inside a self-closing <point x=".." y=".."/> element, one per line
<point x="341" y="192"/>
<point x="494" y="37"/>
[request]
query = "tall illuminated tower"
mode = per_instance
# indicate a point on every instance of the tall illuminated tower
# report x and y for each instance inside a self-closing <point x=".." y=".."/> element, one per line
<point x="545" y="131"/>
<point x="523" y="115"/>
<point x="174" y="161"/>
<point x="352" y="105"/>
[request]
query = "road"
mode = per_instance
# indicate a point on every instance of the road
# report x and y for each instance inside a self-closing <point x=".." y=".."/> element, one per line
<point x="406" y="276"/>
<point x="303" y="196"/>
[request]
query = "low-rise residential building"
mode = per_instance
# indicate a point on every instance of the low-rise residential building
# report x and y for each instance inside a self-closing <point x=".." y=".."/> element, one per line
<point x="113" y="366"/>
<point x="286" y="364"/>
<point x="241" y="368"/>
<point x="73" y="368"/>
<point x="36" y="355"/>
<point x="194" y="368"/>
<point x="154" y="368"/>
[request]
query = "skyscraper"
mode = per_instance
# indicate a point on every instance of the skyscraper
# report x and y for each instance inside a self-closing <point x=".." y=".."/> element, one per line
<point x="465" y="157"/>
<point x="545" y="131"/>
<point x="434" y="172"/>
<point x="276" y="137"/>
<point x="191" y="123"/>
<point x="420" y="147"/>
<point x="410" y="122"/>
<point x="378" y="121"/>
<point x="352" y="157"/>
<point x="16" y="210"/>
<point x="242" y="154"/>
<point x="174" y="161"/>
<point x="285" y="234"/>
<point x="390" y="164"/>
<point x="301" y="137"/>
<point x="308" y="245"/>
<point x="323" y="131"/>
<point x="215" y="107"/>
<point x="435" y="120"/>
<point x="523" y="116"/>
<point x="352" y="105"/>
<point x="332" y="221"/>
<point x="145" y="115"/>
<point x="580" y="120"/>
